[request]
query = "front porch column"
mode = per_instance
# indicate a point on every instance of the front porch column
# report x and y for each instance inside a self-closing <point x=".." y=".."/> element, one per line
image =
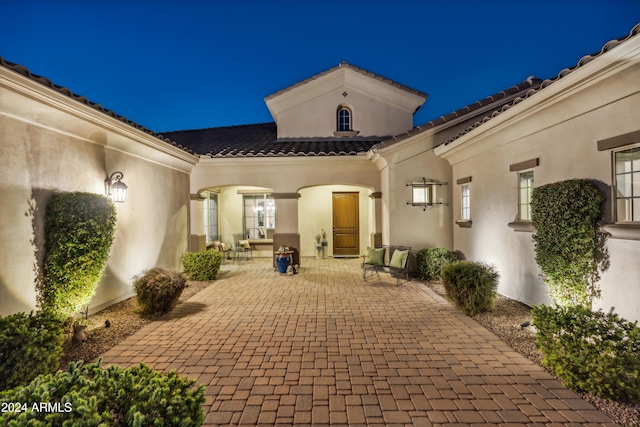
<point x="376" y="238"/>
<point x="286" y="230"/>
<point x="197" y="240"/>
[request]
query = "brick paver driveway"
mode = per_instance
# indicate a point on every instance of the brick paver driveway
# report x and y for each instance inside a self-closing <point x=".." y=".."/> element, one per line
<point x="325" y="348"/>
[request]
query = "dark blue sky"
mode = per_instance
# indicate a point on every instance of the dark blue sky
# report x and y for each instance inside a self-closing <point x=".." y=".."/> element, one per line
<point x="188" y="64"/>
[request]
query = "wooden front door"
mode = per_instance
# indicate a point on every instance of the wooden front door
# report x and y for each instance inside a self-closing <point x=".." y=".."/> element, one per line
<point x="346" y="229"/>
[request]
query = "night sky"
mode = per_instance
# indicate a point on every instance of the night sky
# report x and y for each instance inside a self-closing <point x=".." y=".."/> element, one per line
<point x="188" y="64"/>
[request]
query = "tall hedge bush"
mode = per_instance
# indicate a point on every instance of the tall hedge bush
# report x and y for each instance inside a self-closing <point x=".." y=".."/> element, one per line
<point x="470" y="285"/>
<point x="430" y="261"/>
<point x="30" y="345"/>
<point x="589" y="351"/>
<point x="90" y="395"/>
<point x="79" y="229"/>
<point x="569" y="250"/>
<point x="202" y="265"/>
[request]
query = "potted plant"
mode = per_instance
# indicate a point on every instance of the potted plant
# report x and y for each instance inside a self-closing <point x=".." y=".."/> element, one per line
<point x="318" y="246"/>
<point x="324" y="243"/>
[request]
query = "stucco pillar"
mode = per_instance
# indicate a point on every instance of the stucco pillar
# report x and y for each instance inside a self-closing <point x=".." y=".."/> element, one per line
<point x="286" y="230"/>
<point x="376" y="238"/>
<point x="198" y="240"/>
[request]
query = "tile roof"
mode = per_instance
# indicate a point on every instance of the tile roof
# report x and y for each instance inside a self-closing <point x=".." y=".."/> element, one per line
<point x="20" y="69"/>
<point x="362" y="71"/>
<point x="260" y="140"/>
<point x="565" y="72"/>
<point x="491" y="103"/>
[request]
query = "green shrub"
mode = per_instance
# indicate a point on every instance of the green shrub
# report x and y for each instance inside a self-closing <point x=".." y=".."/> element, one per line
<point x="589" y="351"/>
<point x="569" y="250"/>
<point x="94" y="396"/>
<point x="470" y="285"/>
<point x="431" y="260"/>
<point x="30" y="344"/>
<point x="158" y="289"/>
<point x="202" y="265"/>
<point x="79" y="230"/>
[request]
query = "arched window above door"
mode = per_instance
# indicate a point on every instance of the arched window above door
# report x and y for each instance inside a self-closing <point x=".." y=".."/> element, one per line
<point x="344" y="119"/>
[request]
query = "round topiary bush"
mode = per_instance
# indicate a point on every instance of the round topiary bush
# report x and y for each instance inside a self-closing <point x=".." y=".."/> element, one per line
<point x="470" y="285"/>
<point x="430" y="261"/>
<point x="202" y="265"/>
<point x="158" y="289"/>
<point x="30" y="345"/>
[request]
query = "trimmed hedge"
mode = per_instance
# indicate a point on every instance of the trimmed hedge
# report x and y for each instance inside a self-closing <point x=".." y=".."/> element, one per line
<point x="569" y="250"/>
<point x="94" y="396"/>
<point x="430" y="261"/>
<point x="470" y="285"/>
<point x="30" y="345"/>
<point x="158" y="289"/>
<point x="594" y="352"/>
<point x="202" y="265"/>
<point x="79" y="229"/>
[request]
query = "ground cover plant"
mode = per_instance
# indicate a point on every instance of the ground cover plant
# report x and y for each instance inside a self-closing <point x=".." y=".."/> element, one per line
<point x="91" y="395"/>
<point x="158" y="289"/>
<point x="30" y="344"/>
<point x="202" y="265"/>
<point x="590" y="351"/>
<point x="79" y="229"/>
<point x="429" y="262"/>
<point x="470" y="285"/>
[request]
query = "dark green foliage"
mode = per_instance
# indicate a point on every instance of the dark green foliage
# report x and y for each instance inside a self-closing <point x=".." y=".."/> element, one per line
<point x="431" y="260"/>
<point x="158" y="290"/>
<point x="202" y="265"/>
<point x="79" y="231"/>
<point x="30" y="344"/>
<point x="595" y="352"/>
<point x="569" y="250"/>
<point x="94" y="396"/>
<point x="470" y="285"/>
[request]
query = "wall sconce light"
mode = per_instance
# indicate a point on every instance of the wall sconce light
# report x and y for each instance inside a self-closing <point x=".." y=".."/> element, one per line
<point x="423" y="193"/>
<point x="115" y="188"/>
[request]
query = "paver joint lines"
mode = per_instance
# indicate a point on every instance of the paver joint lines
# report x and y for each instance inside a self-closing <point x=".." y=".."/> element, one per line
<point x="325" y="348"/>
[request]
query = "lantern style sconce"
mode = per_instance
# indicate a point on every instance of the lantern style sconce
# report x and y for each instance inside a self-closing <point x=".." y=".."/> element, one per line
<point x="423" y="193"/>
<point x="115" y="188"/>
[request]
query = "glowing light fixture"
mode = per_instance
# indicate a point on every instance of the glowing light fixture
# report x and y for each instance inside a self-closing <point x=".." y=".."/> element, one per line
<point x="115" y="189"/>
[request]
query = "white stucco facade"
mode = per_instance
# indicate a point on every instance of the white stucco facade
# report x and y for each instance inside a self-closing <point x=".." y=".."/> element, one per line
<point x="51" y="142"/>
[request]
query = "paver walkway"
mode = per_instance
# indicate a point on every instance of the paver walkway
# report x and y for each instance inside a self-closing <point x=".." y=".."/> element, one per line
<point x="325" y="348"/>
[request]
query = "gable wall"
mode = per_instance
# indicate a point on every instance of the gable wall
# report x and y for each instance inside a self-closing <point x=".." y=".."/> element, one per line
<point x="316" y="117"/>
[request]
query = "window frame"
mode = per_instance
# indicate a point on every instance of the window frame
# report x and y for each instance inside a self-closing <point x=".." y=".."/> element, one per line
<point x="529" y="192"/>
<point x="208" y="216"/>
<point x="634" y="188"/>
<point x="339" y="119"/>
<point x="268" y="215"/>
<point x="465" y="202"/>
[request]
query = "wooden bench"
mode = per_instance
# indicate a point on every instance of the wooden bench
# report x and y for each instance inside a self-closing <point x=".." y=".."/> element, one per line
<point x="381" y="258"/>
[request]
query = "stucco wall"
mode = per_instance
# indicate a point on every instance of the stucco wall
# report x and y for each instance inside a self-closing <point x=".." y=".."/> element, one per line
<point x="315" y="213"/>
<point x="369" y="116"/>
<point x="561" y="126"/>
<point x="52" y="145"/>
<point x="403" y="163"/>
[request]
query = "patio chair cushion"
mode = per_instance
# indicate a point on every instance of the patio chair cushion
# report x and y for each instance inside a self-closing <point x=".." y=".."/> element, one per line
<point x="399" y="258"/>
<point x="375" y="256"/>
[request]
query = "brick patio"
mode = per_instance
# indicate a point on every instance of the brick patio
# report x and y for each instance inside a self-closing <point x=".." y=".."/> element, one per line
<point x="325" y="348"/>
